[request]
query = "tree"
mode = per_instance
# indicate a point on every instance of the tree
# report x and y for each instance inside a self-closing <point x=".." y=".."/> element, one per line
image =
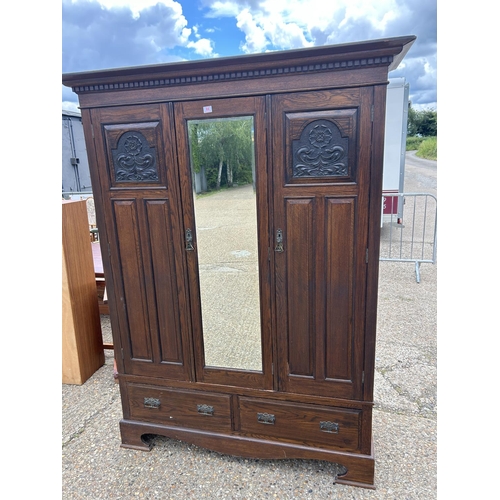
<point x="422" y="123"/>
<point x="216" y="144"/>
<point x="428" y="123"/>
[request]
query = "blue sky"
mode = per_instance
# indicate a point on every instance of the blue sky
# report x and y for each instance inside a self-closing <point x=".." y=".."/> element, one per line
<point x="99" y="34"/>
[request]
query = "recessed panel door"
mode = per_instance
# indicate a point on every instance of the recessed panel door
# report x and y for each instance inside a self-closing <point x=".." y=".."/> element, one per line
<point x="321" y="171"/>
<point x="136" y="184"/>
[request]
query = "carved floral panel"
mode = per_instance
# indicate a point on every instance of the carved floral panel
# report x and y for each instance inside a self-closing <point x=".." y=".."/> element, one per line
<point x="320" y="151"/>
<point x="134" y="160"/>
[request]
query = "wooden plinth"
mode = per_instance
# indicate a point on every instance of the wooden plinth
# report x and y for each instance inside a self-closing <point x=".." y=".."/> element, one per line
<point x="360" y="468"/>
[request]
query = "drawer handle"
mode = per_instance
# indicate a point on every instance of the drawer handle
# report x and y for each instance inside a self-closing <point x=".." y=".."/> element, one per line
<point x="331" y="427"/>
<point x="266" y="418"/>
<point x="205" y="410"/>
<point x="151" y="403"/>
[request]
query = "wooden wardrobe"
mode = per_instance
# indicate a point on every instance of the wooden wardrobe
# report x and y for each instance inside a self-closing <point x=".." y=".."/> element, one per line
<point x="244" y="318"/>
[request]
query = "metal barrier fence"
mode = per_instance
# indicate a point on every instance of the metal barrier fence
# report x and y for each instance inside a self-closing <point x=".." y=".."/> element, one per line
<point x="410" y="235"/>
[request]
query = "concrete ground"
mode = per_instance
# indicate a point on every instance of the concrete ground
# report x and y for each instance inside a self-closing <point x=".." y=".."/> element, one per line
<point x="405" y="440"/>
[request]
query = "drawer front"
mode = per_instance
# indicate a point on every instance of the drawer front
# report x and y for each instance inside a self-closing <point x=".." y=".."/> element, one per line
<point x="298" y="423"/>
<point x="200" y="410"/>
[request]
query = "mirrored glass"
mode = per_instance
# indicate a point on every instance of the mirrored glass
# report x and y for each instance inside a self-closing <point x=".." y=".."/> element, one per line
<point x="223" y="173"/>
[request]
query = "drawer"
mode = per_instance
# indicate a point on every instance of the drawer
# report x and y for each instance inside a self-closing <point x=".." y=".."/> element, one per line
<point x="300" y="423"/>
<point x="197" y="409"/>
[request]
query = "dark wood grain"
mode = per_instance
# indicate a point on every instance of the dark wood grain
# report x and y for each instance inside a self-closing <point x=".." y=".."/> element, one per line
<point x="181" y="407"/>
<point x="319" y="137"/>
<point x="321" y="275"/>
<point x="142" y="228"/>
<point x="360" y="467"/>
<point x="301" y="424"/>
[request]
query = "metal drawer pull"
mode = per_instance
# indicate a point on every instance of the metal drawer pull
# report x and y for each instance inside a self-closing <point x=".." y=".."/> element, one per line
<point x="189" y="240"/>
<point x="205" y="409"/>
<point x="331" y="427"/>
<point x="266" y="418"/>
<point x="151" y="403"/>
<point x="279" y="241"/>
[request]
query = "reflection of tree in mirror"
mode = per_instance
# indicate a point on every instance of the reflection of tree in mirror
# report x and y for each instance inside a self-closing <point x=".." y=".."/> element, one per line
<point x="222" y="150"/>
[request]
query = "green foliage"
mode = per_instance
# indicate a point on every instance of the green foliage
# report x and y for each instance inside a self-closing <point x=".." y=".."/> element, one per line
<point x="195" y="147"/>
<point x="428" y="148"/>
<point x="428" y="123"/>
<point x="413" y="142"/>
<point x="423" y="123"/>
<point x="422" y="133"/>
<point x="425" y="147"/>
<point x="225" y="148"/>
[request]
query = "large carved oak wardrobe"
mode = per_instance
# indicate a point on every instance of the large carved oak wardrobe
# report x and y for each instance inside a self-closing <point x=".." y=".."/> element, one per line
<point x="238" y="203"/>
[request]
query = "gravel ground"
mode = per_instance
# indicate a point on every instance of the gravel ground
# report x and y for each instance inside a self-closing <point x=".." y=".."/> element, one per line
<point x="404" y="427"/>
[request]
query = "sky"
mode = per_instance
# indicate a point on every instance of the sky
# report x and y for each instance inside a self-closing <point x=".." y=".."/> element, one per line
<point x="102" y="34"/>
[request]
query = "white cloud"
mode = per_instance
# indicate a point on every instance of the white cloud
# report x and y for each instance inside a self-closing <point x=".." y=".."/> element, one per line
<point x="111" y="33"/>
<point x="255" y="36"/>
<point x="262" y="31"/>
<point x="203" y="47"/>
<point x="107" y="33"/>
<point x="70" y="106"/>
<point x="288" y="24"/>
<point x="377" y="13"/>
<point x="137" y="5"/>
<point x="285" y="24"/>
<point x="287" y="35"/>
<point x="226" y="8"/>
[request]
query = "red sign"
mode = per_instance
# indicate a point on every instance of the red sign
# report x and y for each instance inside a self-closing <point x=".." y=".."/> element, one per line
<point x="390" y="205"/>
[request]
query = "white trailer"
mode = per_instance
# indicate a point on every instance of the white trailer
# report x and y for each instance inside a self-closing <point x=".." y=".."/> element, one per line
<point x="396" y="123"/>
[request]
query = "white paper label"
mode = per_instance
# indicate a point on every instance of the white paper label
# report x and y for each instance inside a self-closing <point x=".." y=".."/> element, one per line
<point x="207" y="109"/>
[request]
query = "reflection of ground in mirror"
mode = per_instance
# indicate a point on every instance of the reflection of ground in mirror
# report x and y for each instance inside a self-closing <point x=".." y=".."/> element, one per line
<point x="228" y="264"/>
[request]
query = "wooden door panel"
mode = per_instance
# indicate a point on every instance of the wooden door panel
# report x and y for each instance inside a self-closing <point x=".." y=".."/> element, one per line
<point x="340" y="239"/>
<point x="134" y="297"/>
<point x="316" y="295"/>
<point x="300" y="271"/>
<point x="145" y="263"/>
<point x="158" y="215"/>
<point x="321" y="144"/>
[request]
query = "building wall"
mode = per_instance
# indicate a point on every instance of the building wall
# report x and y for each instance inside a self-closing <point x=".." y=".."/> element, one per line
<point x="75" y="173"/>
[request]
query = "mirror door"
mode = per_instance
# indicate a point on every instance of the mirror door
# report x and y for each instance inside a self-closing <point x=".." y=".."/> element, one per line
<point x="222" y="158"/>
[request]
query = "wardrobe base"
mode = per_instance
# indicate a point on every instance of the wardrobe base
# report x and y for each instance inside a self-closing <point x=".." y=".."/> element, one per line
<point x="360" y="468"/>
